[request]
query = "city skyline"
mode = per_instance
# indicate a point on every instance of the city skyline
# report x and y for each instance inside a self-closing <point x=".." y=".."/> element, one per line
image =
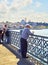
<point x="16" y="10"/>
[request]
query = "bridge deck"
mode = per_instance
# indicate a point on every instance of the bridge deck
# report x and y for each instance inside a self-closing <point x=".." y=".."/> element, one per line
<point x="8" y="58"/>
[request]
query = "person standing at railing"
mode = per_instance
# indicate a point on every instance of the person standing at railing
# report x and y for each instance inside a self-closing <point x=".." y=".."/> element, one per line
<point x="5" y="31"/>
<point x="0" y="35"/>
<point x="24" y="36"/>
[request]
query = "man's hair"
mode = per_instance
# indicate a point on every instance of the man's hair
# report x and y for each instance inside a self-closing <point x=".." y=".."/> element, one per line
<point x="27" y="25"/>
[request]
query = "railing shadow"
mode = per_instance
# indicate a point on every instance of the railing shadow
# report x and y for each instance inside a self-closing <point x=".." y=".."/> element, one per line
<point x="23" y="61"/>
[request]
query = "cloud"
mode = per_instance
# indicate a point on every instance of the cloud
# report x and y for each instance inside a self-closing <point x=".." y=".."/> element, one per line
<point x="38" y="17"/>
<point x="13" y="5"/>
<point x="38" y="4"/>
<point x="12" y="10"/>
<point x="20" y="3"/>
<point x="8" y="3"/>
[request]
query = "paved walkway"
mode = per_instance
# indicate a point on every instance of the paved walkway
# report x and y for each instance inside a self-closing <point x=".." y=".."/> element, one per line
<point x="8" y="58"/>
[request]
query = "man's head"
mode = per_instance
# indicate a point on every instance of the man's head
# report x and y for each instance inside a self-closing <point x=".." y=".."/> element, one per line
<point x="27" y="26"/>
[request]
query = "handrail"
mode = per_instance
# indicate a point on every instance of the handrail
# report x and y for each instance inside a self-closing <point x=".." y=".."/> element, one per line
<point x="37" y="45"/>
<point x="40" y="36"/>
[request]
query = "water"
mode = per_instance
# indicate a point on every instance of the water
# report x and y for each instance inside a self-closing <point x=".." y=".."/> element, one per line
<point x="43" y="32"/>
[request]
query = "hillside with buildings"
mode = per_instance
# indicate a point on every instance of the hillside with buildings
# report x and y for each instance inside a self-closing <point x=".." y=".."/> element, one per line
<point x="22" y="23"/>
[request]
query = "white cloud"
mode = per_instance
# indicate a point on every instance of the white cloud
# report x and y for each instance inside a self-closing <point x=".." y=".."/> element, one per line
<point x="13" y="5"/>
<point x="40" y="17"/>
<point x="20" y="3"/>
<point x="8" y="9"/>
<point x="14" y="12"/>
<point x="37" y="4"/>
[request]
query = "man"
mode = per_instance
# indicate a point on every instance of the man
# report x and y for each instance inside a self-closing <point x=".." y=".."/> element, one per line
<point x="4" y="31"/>
<point x="25" y="34"/>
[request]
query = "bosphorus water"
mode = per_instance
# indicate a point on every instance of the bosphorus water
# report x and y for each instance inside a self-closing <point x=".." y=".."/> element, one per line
<point x="42" y="32"/>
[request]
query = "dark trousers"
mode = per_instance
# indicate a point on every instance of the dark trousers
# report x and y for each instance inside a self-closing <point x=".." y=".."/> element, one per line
<point x="7" y="36"/>
<point x="2" y="36"/>
<point x="23" y="47"/>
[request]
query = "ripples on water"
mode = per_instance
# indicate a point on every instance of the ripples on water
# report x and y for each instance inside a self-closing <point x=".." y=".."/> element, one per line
<point x="43" y="32"/>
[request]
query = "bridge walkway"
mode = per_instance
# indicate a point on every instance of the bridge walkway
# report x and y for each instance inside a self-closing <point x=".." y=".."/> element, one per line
<point x="10" y="57"/>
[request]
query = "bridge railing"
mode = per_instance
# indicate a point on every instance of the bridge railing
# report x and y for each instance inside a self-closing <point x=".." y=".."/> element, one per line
<point x="37" y="45"/>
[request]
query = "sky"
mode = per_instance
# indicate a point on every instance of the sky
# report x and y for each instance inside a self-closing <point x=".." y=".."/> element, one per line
<point x="31" y="10"/>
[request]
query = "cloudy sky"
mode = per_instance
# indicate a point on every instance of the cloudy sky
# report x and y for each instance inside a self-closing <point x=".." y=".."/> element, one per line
<point x="16" y="10"/>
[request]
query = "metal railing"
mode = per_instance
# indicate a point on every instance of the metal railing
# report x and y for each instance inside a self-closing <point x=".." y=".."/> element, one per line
<point x="37" y="45"/>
